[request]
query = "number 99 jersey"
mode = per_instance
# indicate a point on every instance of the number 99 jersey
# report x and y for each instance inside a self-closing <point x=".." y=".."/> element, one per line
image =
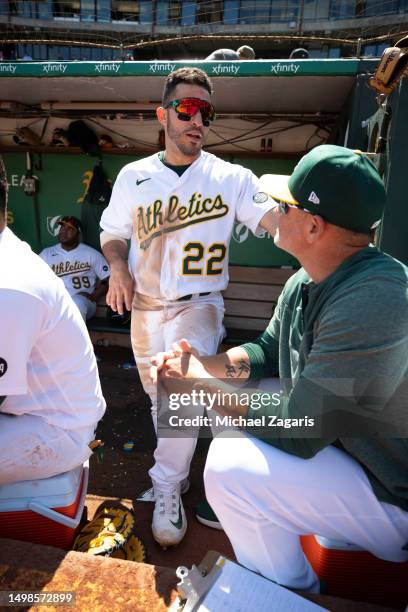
<point x="78" y="268"/>
<point x="180" y="226"/>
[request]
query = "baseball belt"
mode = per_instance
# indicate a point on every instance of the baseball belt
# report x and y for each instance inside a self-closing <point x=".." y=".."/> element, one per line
<point x="184" y="298"/>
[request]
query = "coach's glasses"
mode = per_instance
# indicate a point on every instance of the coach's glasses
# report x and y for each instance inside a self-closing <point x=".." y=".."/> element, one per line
<point x="186" y="108"/>
<point x="283" y="207"/>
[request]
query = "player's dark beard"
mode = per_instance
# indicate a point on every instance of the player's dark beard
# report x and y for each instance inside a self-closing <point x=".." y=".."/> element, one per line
<point x="175" y="135"/>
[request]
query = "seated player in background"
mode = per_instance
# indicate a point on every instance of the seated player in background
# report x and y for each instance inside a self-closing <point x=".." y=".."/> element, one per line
<point x="83" y="269"/>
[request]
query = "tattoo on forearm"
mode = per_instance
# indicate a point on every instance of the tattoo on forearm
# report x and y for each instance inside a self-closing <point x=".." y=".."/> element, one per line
<point x="231" y="371"/>
<point x="243" y="368"/>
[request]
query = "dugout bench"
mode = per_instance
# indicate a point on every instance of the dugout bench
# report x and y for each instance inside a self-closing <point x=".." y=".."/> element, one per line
<point x="250" y="300"/>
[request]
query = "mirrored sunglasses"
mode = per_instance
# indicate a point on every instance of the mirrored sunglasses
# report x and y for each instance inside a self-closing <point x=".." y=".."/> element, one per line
<point x="186" y="108"/>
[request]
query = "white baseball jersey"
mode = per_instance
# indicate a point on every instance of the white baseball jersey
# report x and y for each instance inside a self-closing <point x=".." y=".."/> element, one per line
<point x="47" y="364"/>
<point x="78" y="268"/>
<point x="180" y="226"/>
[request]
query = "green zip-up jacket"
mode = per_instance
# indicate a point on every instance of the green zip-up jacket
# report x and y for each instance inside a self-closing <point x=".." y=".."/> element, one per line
<point x="340" y="347"/>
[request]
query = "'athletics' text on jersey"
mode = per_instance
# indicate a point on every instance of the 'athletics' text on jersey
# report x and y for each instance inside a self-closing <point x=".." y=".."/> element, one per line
<point x="78" y="268"/>
<point x="180" y="226"/>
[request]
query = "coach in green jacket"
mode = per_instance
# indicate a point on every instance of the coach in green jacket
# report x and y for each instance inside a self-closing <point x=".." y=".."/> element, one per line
<point x="330" y="454"/>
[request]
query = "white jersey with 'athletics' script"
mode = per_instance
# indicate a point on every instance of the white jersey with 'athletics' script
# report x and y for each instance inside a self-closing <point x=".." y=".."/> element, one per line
<point x="78" y="268"/>
<point x="180" y="226"/>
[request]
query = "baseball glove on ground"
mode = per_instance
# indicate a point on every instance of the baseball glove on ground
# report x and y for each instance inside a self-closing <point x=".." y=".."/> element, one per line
<point x="133" y="550"/>
<point x="109" y="530"/>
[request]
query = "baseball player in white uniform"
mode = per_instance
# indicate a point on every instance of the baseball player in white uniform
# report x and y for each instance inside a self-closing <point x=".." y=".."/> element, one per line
<point x="81" y="267"/>
<point x="50" y="394"/>
<point x="178" y="208"/>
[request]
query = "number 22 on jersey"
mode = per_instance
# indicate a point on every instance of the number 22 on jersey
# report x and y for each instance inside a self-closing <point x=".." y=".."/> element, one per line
<point x="200" y="261"/>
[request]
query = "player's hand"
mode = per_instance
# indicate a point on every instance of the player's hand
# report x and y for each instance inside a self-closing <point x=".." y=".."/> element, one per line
<point x="121" y="287"/>
<point x="159" y="360"/>
<point x="185" y="366"/>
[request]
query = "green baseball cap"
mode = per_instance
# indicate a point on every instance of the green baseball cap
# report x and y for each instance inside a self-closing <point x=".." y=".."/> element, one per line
<point x="339" y="184"/>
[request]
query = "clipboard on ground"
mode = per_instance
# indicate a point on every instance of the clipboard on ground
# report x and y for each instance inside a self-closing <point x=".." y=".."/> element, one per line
<point x="218" y="584"/>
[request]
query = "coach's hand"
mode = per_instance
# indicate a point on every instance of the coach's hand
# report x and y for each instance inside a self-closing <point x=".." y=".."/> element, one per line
<point x="121" y="285"/>
<point x="183" y="364"/>
<point x="158" y="361"/>
<point x="184" y="367"/>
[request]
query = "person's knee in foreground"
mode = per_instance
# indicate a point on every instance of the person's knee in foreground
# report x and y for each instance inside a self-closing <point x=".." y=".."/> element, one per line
<point x="330" y="456"/>
<point x="50" y="395"/>
<point x="178" y="208"/>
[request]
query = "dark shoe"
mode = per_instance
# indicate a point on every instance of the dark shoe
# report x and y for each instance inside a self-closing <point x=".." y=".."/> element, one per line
<point x="205" y="514"/>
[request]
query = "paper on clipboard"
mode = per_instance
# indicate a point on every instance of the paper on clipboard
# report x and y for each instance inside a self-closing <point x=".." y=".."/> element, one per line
<point x="239" y="590"/>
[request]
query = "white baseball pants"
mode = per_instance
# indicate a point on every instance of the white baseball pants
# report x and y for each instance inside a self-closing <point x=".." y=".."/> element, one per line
<point x="156" y="325"/>
<point x="265" y="498"/>
<point x="85" y="306"/>
<point x="31" y="449"/>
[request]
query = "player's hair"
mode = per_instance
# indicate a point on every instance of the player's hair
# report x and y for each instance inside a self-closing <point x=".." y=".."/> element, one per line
<point x="3" y="187"/>
<point x="191" y="76"/>
<point x="246" y="52"/>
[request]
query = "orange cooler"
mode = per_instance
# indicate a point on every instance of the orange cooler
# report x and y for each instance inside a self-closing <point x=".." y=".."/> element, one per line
<point x="351" y="572"/>
<point x="46" y="511"/>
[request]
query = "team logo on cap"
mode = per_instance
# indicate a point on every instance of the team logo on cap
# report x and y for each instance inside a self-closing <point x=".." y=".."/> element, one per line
<point x="3" y="366"/>
<point x="260" y="197"/>
<point x="313" y="198"/>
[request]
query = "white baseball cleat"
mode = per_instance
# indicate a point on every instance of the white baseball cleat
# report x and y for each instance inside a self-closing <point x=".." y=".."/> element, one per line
<point x="169" y="519"/>
<point x="148" y="495"/>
